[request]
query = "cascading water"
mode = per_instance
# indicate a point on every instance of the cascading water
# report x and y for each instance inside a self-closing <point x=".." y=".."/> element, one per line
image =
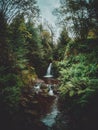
<point x="49" y="118"/>
<point x="46" y="107"/>
<point x="37" y="88"/>
<point x="49" y="69"/>
<point x="48" y="74"/>
<point x="50" y="91"/>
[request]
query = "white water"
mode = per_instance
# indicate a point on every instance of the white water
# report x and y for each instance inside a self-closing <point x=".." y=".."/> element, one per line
<point x="48" y="74"/>
<point x="37" y="88"/>
<point x="49" y="119"/>
<point x="49" y="69"/>
<point x="50" y="91"/>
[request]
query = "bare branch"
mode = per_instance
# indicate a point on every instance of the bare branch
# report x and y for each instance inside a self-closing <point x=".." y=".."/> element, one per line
<point x="12" y="7"/>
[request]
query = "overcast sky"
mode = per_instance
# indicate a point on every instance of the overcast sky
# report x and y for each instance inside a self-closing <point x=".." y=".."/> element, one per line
<point x="46" y="7"/>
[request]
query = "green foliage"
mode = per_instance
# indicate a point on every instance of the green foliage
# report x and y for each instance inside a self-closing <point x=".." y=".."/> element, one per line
<point x="18" y="41"/>
<point x="78" y="75"/>
<point x="10" y="91"/>
<point x="59" y="49"/>
<point x="14" y="38"/>
<point x="4" y="48"/>
<point x="81" y="15"/>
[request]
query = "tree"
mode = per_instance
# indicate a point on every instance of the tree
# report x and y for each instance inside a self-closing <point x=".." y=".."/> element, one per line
<point x="96" y="8"/>
<point x="40" y="48"/>
<point x="13" y="50"/>
<point x="18" y="41"/>
<point x="35" y="48"/>
<point x="11" y="8"/>
<point x="8" y="10"/>
<point x="51" y="29"/>
<point x="59" y="50"/>
<point x="4" y="50"/>
<point x="64" y="37"/>
<point x="77" y="16"/>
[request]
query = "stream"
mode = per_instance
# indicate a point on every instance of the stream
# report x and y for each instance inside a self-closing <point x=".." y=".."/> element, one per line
<point x="49" y="118"/>
<point x="55" y="119"/>
<point x="43" y="110"/>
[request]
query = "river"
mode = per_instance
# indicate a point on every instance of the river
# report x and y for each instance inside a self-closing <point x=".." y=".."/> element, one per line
<point x="54" y="118"/>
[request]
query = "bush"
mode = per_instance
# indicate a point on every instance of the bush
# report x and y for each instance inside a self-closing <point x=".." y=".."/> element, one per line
<point x="78" y="75"/>
<point x="10" y="91"/>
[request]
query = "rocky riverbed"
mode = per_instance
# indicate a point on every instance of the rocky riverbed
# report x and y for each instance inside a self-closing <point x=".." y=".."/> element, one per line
<point x="39" y="110"/>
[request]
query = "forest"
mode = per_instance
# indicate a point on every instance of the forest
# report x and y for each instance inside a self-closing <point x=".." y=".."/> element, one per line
<point x="27" y="47"/>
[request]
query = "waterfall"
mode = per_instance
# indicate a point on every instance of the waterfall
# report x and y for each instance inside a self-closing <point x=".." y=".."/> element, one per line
<point x="49" y="69"/>
<point x="48" y="74"/>
<point x="50" y="118"/>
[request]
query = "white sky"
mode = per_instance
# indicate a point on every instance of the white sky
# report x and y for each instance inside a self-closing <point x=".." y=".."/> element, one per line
<point x="46" y="8"/>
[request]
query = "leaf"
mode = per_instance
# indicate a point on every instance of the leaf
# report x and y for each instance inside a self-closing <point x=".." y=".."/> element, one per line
<point x="71" y="93"/>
